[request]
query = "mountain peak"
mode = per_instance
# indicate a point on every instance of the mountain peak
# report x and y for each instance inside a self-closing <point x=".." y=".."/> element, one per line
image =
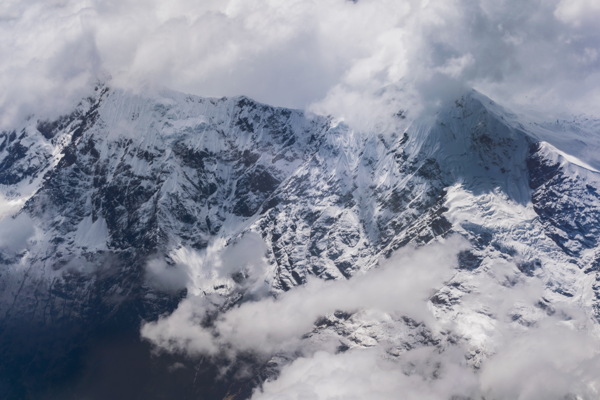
<point x="143" y="205"/>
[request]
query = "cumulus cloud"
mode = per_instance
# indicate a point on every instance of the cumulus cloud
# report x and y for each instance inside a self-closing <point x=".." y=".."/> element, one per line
<point x="359" y="60"/>
<point x="49" y="58"/>
<point x="9" y="206"/>
<point x="528" y="352"/>
<point x="546" y="355"/>
<point x="183" y="330"/>
<point x="401" y="286"/>
<point x="552" y="362"/>
<point x="241" y="263"/>
<point x="270" y="325"/>
<point x="165" y="276"/>
<point x="579" y="13"/>
<point x="15" y="232"/>
<point x="366" y="374"/>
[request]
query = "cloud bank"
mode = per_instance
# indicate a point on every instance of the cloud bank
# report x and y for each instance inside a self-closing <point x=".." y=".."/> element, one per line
<point x="551" y="362"/>
<point x="348" y="58"/>
<point x="269" y="325"/>
<point x="499" y="344"/>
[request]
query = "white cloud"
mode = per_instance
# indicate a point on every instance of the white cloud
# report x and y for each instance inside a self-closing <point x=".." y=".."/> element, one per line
<point x="15" y="232"/>
<point x="166" y="277"/>
<point x="184" y="332"/>
<point x="578" y="12"/>
<point x="550" y="362"/>
<point x="402" y="285"/>
<point x="557" y="357"/>
<point x="241" y="263"/>
<point x="10" y="206"/>
<point x="542" y="357"/>
<point x="366" y="374"/>
<point x="48" y="58"/>
<point x="337" y="55"/>
<point x="269" y="325"/>
<point x="246" y="258"/>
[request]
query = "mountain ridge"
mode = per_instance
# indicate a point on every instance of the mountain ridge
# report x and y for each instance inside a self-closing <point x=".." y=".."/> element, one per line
<point x="128" y="191"/>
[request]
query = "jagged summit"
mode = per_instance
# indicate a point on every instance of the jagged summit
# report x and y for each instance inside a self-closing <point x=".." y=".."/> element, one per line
<point x="130" y="184"/>
<point x="474" y="142"/>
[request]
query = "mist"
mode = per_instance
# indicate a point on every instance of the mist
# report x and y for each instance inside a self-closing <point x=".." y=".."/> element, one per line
<point x="406" y="343"/>
<point x="324" y="56"/>
<point x="364" y="62"/>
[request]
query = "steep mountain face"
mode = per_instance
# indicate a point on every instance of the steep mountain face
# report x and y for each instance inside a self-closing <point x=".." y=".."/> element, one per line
<point x="127" y="183"/>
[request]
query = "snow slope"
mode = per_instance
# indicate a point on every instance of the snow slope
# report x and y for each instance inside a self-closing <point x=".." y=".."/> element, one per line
<point x="126" y="207"/>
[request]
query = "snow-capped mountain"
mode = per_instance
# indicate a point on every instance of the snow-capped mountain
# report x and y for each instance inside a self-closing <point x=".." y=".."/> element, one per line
<point x="110" y="216"/>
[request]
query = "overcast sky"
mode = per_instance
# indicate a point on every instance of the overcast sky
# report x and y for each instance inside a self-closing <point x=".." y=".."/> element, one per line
<point x="327" y="55"/>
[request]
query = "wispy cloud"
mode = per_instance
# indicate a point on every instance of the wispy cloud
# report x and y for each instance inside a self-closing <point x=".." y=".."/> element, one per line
<point x="330" y="54"/>
<point x="551" y="362"/>
<point x="527" y="353"/>
<point x="270" y="325"/>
